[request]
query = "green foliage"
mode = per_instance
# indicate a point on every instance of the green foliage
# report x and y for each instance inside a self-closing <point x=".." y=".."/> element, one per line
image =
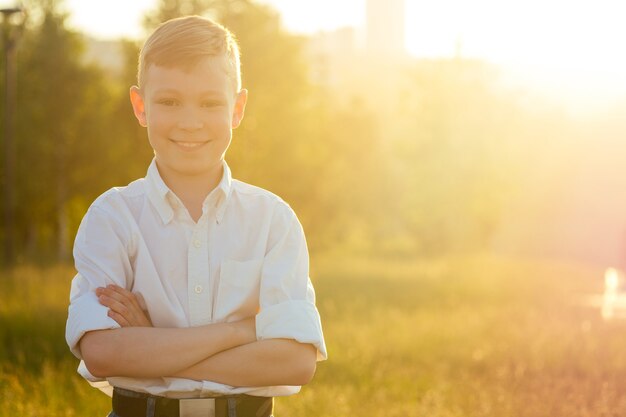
<point x="76" y="135"/>
<point x="60" y="127"/>
<point x="402" y="158"/>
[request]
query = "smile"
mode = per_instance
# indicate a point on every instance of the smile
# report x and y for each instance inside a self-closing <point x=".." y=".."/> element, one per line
<point x="189" y="145"/>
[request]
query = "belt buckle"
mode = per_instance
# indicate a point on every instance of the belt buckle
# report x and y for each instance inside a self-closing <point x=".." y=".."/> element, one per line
<point x="197" y="407"/>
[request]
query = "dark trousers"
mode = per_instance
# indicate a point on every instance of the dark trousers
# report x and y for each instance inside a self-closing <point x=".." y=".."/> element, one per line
<point x="133" y="404"/>
<point x="112" y="414"/>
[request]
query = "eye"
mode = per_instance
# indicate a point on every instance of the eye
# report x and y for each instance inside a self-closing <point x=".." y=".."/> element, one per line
<point x="169" y="102"/>
<point x="211" y="103"/>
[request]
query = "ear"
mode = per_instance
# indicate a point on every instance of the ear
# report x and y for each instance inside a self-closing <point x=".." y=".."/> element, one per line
<point x="136" y="99"/>
<point x="240" y="107"/>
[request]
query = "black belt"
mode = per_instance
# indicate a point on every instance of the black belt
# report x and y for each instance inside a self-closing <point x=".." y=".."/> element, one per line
<point x="134" y="404"/>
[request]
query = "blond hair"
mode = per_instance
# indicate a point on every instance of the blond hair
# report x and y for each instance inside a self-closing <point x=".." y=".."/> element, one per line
<point x="186" y="41"/>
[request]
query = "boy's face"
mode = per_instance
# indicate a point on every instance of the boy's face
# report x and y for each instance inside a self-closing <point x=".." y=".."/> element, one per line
<point x="189" y="114"/>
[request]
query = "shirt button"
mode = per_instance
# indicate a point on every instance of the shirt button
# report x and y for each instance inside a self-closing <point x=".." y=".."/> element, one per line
<point x="197" y="243"/>
<point x="198" y="289"/>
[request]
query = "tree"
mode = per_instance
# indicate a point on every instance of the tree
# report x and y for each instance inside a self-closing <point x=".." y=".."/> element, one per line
<point x="61" y="131"/>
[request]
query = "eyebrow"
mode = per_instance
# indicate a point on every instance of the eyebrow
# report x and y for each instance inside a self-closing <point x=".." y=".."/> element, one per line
<point x="166" y="91"/>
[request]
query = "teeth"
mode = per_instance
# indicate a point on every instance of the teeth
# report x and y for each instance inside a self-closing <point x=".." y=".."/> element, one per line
<point x="189" y="144"/>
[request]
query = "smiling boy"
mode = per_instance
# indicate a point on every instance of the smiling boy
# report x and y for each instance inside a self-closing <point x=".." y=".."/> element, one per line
<point x="192" y="296"/>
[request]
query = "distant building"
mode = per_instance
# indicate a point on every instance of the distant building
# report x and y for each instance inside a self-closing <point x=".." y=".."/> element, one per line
<point x="331" y="54"/>
<point x="385" y="27"/>
<point x="366" y="65"/>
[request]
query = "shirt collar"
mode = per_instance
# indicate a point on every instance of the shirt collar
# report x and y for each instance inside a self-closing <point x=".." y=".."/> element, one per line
<point x="162" y="197"/>
<point x="157" y="193"/>
<point x="225" y="186"/>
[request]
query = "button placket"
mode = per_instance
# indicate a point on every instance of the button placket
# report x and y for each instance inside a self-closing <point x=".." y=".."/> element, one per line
<point x="198" y="275"/>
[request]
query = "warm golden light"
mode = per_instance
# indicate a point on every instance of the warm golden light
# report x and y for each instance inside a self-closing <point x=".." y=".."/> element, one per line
<point x="458" y="168"/>
<point x="570" y="50"/>
<point x="614" y="303"/>
<point x="611" y="280"/>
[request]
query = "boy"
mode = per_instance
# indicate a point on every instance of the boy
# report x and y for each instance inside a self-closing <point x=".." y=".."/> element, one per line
<point x="217" y="266"/>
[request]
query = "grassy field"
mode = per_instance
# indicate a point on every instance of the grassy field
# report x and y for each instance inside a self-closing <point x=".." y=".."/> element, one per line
<point x="473" y="336"/>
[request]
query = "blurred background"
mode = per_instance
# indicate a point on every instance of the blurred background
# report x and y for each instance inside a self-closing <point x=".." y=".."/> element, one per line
<point x="406" y="128"/>
<point x="457" y="167"/>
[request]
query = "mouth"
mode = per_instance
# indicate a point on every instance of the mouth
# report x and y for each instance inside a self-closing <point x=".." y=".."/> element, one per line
<point x="189" y="145"/>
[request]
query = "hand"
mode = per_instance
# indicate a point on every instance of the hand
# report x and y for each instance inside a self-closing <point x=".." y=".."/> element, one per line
<point x="126" y="308"/>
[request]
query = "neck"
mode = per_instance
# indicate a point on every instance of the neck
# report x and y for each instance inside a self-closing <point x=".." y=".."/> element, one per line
<point x="192" y="189"/>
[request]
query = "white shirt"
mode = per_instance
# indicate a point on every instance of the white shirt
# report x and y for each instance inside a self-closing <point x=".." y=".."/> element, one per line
<point x="245" y="256"/>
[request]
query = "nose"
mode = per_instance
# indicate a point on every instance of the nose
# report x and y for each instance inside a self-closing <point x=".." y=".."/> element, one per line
<point x="190" y="120"/>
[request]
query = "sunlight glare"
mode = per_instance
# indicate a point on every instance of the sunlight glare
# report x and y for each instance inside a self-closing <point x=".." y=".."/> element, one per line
<point x="568" y="49"/>
<point x="613" y="300"/>
<point x="109" y="20"/>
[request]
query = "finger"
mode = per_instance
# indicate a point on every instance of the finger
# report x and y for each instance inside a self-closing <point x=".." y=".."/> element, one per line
<point x="121" y="293"/>
<point x="114" y="305"/>
<point x="142" y="314"/>
<point x="118" y="318"/>
<point x="126" y="298"/>
<point x="126" y="304"/>
<point x="116" y="288"/>
<point x="111" y="293"/>
<point x="133" y="303"/>
<point x="127" y="295"/>
<point x="141" y="301"/>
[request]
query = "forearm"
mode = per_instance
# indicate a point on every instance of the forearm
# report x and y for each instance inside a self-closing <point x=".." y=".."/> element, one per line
<point x="262" y="363"/>
<point x="145" y="352"/>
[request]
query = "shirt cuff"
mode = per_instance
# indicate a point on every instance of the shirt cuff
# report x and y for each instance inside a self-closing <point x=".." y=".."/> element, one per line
<point x="296" y="319"/>
<point x="86" y="314"/>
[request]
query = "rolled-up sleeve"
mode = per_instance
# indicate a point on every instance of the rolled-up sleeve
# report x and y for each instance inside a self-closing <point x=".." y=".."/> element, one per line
<point x="287" y="297"/>
<point x="101" y="258"/>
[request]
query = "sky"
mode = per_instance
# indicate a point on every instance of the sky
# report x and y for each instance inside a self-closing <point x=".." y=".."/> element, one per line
<point x="563" y="45"/>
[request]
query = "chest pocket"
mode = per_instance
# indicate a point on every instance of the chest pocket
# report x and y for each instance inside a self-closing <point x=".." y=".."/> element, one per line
<point x="238" y="291"/>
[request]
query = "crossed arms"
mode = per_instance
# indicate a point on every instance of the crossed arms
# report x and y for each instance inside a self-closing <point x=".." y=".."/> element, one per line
<point x="228" y="353"/>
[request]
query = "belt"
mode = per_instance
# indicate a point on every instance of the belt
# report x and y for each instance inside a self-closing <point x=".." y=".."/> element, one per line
<point x="135" y="404"/>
